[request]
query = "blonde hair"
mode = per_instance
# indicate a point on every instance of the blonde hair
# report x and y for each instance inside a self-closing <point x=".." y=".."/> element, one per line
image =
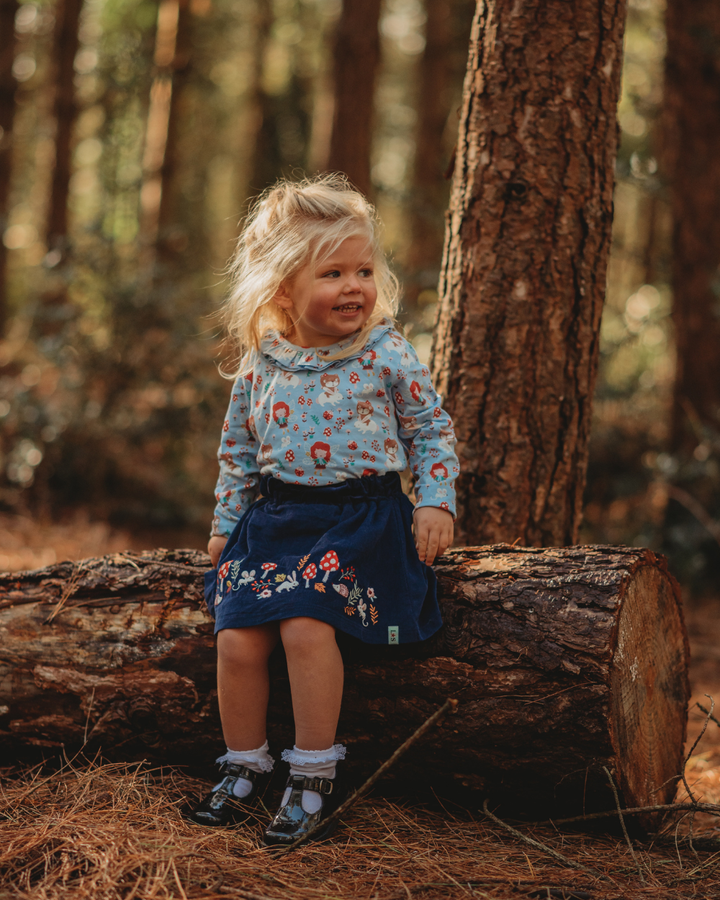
<point x="290" y="225"/>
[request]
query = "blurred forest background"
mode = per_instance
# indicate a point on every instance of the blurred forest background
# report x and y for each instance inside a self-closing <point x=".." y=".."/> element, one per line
<point x="132" y="134"/>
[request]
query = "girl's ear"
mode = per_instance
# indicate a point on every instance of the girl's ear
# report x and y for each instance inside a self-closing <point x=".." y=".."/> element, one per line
<point x="282" y="297"/>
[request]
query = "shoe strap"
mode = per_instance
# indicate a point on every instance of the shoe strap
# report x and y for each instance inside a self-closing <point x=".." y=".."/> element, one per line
<point x="308" y="783"/>
<point x="237" y="771"/>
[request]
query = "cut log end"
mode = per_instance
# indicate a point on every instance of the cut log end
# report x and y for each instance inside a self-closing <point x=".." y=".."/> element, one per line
<point x="649" y="687"/>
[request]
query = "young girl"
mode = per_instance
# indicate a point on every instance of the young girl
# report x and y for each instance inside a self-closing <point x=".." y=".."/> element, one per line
<point x="312" y="532"/>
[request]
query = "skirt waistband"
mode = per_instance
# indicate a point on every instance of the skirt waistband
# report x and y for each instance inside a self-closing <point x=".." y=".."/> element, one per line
<point x="367" y="487"/>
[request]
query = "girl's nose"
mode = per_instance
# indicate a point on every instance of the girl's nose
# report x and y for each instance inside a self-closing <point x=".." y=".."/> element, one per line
<point x="352" y="285"/>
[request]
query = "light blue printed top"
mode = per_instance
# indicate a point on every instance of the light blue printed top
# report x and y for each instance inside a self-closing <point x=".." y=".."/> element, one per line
<point x="308" y="420"/>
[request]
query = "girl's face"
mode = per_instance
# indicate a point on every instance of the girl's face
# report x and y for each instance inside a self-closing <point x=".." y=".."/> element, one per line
<point x="332" y="299"/>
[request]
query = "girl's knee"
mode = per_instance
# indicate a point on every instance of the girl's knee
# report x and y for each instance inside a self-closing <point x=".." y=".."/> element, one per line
<point x="303" y="634"/>
<point x="246" y="646"/>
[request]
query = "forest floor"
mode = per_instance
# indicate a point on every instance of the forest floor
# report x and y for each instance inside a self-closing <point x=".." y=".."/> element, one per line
<point x="109" y="831"/>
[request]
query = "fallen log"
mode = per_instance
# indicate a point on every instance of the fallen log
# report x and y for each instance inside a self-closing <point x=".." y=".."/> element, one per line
<point x="564" y="662"/>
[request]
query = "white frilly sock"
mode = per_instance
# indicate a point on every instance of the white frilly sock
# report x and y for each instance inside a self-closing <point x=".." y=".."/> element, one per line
<point x="312" y="764"/>
<point x="256" y="760"/>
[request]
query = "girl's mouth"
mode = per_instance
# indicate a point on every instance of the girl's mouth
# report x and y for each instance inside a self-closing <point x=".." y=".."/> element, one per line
<point x="349" y="308"/>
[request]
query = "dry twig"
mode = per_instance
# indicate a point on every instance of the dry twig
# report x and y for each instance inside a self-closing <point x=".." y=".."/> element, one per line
<point x="540" y="846"/>
<point x="448" y="705"/>
<point x="624" y="826"/>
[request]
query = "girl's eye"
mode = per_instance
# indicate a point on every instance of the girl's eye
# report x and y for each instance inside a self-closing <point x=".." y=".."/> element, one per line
<point x="332" y="274"/>
<point x="366" y="273"/>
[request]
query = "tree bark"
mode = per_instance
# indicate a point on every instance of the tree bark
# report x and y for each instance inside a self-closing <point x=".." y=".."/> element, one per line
<point x="356" y="58"/>
<point x="563" y="661"/>
<point x="526" y="248"/>
<point x="8" y="84"/>
<point x="691" y="144"/>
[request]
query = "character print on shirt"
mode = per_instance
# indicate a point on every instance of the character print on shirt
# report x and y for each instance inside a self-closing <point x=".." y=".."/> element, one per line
<point x="265" y="455"/>
<point x="391" y="452"/>
<point x="439" y="472"/>
<point x="416" y="391"/>
<point x="289" y="379"/>
<point x="397" y="345"/>
<point x="365" y="421"/>
<point x="409" y="424"/>
<point x="447" y="439"/>
<point x="330" y="393"/>
<point x="281" y="412"/>
<point x="367" y="359"/>
<point x="319" y="453"/>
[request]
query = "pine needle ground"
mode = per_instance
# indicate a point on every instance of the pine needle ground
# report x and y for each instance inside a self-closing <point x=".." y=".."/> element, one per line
<point x="115" y="832"/>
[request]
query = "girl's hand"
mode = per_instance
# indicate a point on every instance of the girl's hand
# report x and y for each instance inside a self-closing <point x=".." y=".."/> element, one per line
<point x="215" y="548"/>
<point x="433" y="529"/>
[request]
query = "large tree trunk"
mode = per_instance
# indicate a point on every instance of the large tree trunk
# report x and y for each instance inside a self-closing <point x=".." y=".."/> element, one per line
<point x="356" y="59"/>
<point x="563" y="661"/>
<point x="525" y="258"/>
<point x="8" y="84"/>
<point x="691" y="139"/>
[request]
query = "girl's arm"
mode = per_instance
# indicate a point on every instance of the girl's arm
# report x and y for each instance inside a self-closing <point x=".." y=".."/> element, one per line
<point x="239" y="479"/>
<point x="427" y="432"/>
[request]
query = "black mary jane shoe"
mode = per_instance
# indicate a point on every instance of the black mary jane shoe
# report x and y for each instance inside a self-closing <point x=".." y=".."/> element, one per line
<point x="221" y="806"/>
<point x="292" y="821"/>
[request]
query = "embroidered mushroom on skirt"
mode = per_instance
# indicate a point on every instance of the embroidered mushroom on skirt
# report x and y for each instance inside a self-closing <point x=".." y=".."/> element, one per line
<point x="329" y="563"/>
<point x="309" y="573"/>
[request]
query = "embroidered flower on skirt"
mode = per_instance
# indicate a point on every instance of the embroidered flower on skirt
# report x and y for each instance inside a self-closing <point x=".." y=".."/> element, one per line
<point x="342" y="553"/>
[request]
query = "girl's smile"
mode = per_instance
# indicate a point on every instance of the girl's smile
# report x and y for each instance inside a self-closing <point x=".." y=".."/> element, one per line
<point x="332" y="299"/>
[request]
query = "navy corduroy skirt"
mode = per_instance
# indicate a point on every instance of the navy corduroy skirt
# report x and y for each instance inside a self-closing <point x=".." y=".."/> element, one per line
<point x="343" y="553"/>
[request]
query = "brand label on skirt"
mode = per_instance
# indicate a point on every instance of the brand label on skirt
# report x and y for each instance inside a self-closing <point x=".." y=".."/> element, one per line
<point x="393" y="634"/>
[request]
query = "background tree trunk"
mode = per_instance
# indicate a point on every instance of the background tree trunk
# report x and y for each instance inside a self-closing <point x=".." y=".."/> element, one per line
<point x="264" y="162"/>
<point x="563" y="661"/>
<point x="65" y="46"/>
<point x="8" y="8"/>
<point x="429" y="184"/>
<point x="172" y="237"/>
<point x="356" y="58"/>
<point x="171" y="51"/>
<point x="691" y="139"/>
<point x="525" y="258"/>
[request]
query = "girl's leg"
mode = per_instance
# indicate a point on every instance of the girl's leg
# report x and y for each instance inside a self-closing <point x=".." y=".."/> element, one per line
<point x="315" y="667"/>
<point x="316" y="672"/>
<point x="243" y="697"/>
<point x="243" y="683"/>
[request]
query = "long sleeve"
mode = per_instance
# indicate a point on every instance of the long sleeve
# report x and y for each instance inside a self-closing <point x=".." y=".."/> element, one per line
<point x="239" y="479"/>
<point x="425" y="430"/>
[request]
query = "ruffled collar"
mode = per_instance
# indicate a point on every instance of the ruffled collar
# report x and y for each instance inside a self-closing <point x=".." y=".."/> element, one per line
<point x="274" y="347"/>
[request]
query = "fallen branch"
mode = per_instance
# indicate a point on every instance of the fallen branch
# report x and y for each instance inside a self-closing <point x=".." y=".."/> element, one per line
<point x="692" y="749"/>
<point x="543" y="847"/>
<point x="447" y="706"/>
<point x="712" y="809"/>
<point x="640" y="872"/>
<point x="708" y="713"/>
